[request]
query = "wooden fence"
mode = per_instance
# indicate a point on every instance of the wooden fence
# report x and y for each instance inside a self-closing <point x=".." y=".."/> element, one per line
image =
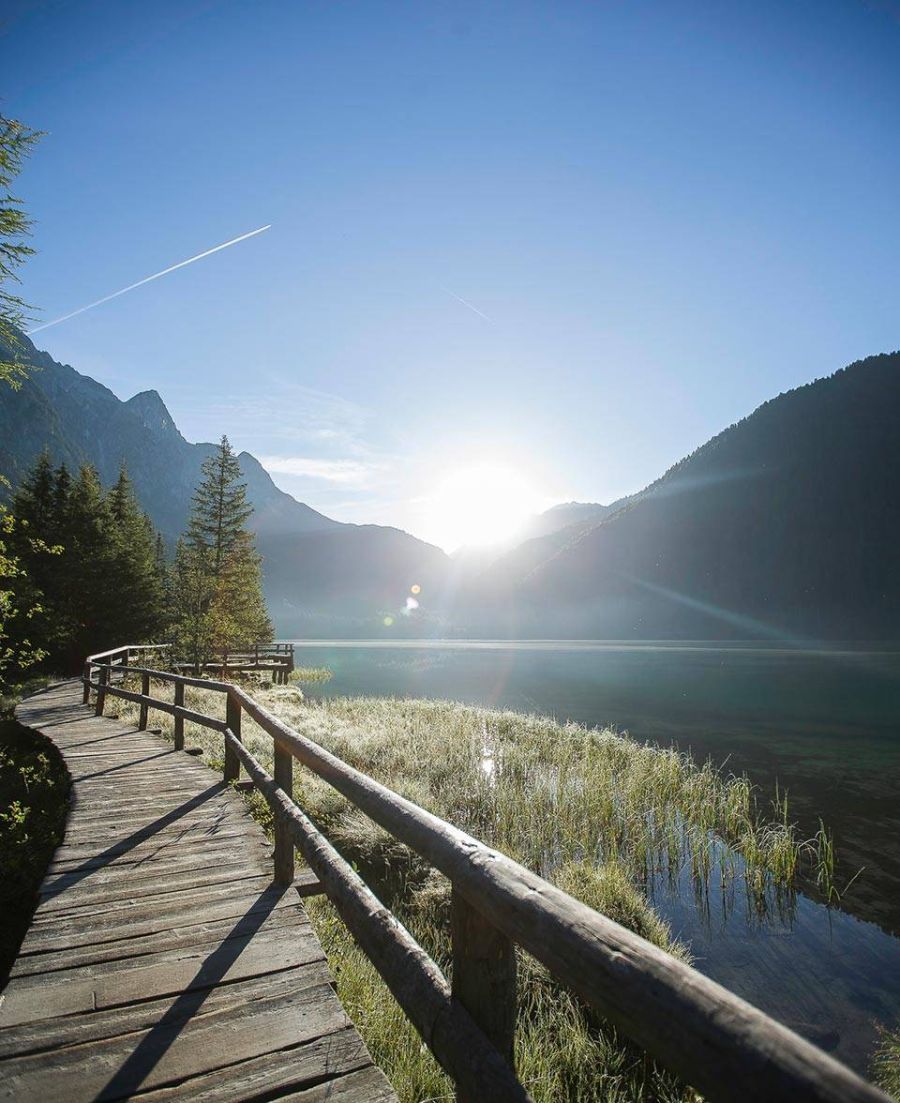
<point x="717" y="1042"/>
<point x="275" y="659"/>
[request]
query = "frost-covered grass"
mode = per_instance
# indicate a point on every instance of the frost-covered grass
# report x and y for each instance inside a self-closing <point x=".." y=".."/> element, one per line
<point x="591" y="810"/>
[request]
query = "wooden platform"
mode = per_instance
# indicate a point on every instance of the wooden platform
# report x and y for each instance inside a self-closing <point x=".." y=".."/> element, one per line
<point x="162" y="963"/>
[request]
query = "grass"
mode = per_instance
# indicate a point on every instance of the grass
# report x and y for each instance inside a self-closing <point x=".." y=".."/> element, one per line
<point x="33" y="800"/>
<point x="596" y="813"/>
<point x="311" y="675"/>
<point x="886" y="1064"/>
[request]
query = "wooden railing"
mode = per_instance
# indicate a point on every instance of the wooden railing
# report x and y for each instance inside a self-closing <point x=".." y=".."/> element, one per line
<point x="276" y="659"/>
<point x="717" y="1042"/>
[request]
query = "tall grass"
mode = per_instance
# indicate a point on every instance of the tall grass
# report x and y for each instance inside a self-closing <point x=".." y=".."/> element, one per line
<point x="597" y="813"/>
<point x="886" y="1064"/>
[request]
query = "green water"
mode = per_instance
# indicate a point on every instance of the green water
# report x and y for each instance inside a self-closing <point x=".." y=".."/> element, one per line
<point x="824" y="724"/>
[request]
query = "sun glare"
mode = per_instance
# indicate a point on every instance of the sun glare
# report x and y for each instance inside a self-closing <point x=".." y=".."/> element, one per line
<point x="481" y="505"/>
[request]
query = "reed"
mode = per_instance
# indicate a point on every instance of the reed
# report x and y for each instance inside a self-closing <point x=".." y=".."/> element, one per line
<point x="595" y="812"/>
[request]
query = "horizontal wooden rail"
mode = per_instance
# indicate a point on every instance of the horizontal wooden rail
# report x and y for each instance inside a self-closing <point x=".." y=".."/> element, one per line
<point x="415" y="981"/>
<point x="717" y="1042"/>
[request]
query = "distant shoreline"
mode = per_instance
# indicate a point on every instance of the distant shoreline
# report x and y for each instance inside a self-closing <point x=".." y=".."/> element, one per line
<point x="839" y="647"/>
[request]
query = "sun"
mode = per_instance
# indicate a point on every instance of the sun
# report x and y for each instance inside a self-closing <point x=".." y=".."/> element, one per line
<point x="479" y="505"/>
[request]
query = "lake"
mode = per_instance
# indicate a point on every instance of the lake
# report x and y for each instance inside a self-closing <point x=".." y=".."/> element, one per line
<point x="824" y="724"/>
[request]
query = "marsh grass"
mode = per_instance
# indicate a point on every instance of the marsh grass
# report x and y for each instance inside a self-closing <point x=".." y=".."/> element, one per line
<point x="597" y="813"/>
<point x="310" y="675"/>
<point x="886" y="1063"/>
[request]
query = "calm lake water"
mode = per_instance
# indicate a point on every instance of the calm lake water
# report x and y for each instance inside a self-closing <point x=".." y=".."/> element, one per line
<point x="824" y="724"/>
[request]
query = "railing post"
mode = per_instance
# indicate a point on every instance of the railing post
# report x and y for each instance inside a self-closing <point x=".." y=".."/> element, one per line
<point x="86" y="692"/>
<point x="284" y="842"/>
<point x="101" y="692"/>
<point x="233" y="720"/>
<point x="484" y="976"/>
<point x="145" y="708"/>
<point x="179" y="720"/>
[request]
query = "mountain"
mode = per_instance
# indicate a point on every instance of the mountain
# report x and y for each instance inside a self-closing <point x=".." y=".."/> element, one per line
<point x="562" y="522"/>
<point x="786" y="524"/>
<point x="320" y="575"/>
<point x="567" y="515"/>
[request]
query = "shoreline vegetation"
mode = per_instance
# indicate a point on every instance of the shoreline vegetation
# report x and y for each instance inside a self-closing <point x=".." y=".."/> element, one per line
<point x="591" y="810"/>
<point x="34" y="801"/>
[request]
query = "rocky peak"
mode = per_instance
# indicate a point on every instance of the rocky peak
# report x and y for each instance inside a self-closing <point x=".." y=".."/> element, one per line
<point x="153" y="413"/>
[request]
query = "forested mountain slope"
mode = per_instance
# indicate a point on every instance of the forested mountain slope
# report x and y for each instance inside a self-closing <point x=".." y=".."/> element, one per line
<point x="785" y="524"/>
<point x="347" y="578"/>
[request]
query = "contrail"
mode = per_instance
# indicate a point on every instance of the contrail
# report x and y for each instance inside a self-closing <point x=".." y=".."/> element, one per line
<point x="147" y="279"/>
<point x="453" y="295"/>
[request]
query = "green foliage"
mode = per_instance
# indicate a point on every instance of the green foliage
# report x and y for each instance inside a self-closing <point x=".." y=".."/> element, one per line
<point x="220" y="510"/>
<point x="217" y="599"/>
<point x="19" y="606"/>
<point x="33" y="787"/>
<point x="16" y="142"/>
<point x="92" y="568"/>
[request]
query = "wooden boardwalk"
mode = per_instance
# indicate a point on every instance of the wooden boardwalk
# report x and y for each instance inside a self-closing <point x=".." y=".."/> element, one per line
<point x="162" y="963"/>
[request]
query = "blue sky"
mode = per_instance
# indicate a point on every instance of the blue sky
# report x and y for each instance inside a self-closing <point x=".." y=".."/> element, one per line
<point x="663" y="214"/>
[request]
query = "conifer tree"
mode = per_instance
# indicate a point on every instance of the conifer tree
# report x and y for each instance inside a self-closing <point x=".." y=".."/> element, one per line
<point x="220" y="510"/>
<point x="136" y="582"/>
<point x="217" y="568"/>
<point x="16" y="142"/>
<point x="105" y="584"/>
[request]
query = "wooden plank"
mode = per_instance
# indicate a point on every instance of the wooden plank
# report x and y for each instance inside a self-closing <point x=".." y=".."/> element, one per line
<point x="125" y="902"/>
<point x="262" y="915"/>
<point x="118" y="983"/>
<point x="46" y="1034"/>
<point x="368" y="1085"/>
<point x="324" y="1062"/>
<point x="147" y="918"/>
<point x="173" y="1049"/>
<point x="162" y="960"/>
<point x="174" y="856"/>
<point x="71" y="893"/>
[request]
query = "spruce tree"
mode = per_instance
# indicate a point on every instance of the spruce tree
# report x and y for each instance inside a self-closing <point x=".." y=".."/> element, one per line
<point x="136" y="585"/>
<point x="16" y="143"/>
<point x="220" y="510"/>
<point x="218" y="571"/>
<point x="93" y="564"/>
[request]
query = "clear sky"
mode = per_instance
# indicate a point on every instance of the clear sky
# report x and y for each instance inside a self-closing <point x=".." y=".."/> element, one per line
<point x="570" y="241"/>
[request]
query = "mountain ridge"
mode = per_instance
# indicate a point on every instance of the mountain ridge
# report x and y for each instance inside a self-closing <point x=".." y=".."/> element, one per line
<point x="82" y="421"/>
<point x="782" y="525"/>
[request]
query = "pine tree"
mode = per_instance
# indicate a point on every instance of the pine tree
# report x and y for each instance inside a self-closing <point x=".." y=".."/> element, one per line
<point x="136" y="587"/>
<point x="16" y="142"/>
<point x="92" y="564"/>
<point x="220" y="510"/>
<point x="218" y="571"/>
<point x="33" y="503"/>
<point x="190" y="598"/>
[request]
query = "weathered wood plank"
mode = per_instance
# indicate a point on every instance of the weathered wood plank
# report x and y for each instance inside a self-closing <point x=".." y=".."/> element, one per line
<point x="368" y="1085"/>
<point x="189" y="894"/>
<point x="46" y="1034"/>
<point x="263" y="916"/>
<point x="69" y="891"/>
<point x="162" y="958"/>
<point x="173" y="1048"/>
<point x="333" y="1059"/>
<point x="124" y="981"/>
<point x="147" y="918"/>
